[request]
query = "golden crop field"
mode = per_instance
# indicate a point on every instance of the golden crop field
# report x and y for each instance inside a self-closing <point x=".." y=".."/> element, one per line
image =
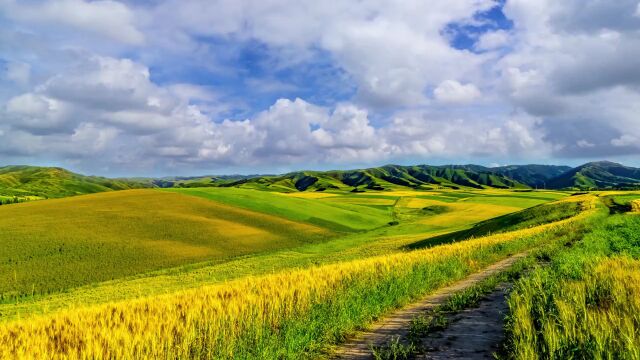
<point x="306" y="246"/>
<point x="586" y="304"/>
<point x="265" y="316"/>
<point x="47" y="246"/>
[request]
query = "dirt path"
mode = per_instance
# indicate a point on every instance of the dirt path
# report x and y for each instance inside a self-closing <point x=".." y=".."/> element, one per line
<point x="474" y="333"/>
<point x="397" y="323"/>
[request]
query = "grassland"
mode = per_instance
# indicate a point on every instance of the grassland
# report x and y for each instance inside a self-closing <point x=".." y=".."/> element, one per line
<point x="290" y="314"/>
<point x="53" y="245"/>
<point x="585" y="304"/>
<point x="200" y="257"/>
<point x="271" y="258"/>
<point x="332" y="215"/>
<point x="33" y="182"/>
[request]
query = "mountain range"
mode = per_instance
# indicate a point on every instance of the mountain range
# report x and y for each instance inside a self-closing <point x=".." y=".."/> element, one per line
<point x="53" y="182"/>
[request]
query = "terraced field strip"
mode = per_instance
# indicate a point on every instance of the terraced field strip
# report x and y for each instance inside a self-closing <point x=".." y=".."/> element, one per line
<point x="398" y="323"/>
<point x="635" y="206"/>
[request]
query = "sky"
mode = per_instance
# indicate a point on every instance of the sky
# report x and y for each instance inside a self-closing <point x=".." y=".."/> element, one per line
<point x="186" y="87"/>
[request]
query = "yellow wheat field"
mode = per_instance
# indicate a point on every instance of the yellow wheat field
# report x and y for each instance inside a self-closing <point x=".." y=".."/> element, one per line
<point x="599" y="312"/>
<point x="213" y="320"/>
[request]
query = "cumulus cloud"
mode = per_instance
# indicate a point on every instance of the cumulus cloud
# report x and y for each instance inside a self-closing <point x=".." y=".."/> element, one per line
<point x="154" y="85"/>
<point x="451" y="91"/>
<point x="572" y="68"/>
<point x="392" y="51"/>
<point x="111" y="19"/>
<point x="493" y="40"/>
<point x="626" y="140"/>
<point x="108" y="111"/>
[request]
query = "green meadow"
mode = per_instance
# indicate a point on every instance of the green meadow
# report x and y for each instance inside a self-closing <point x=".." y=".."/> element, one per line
<point x="53" y="245"/>
<point x="154" y="241"/>
<point x="74" y="255"/>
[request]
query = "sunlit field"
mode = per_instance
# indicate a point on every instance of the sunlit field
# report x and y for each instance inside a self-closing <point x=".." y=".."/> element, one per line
<point x="319" y="180"/>
<point x="52" y="245"/>
<point x="214" y="241"/>
<point x="253" y="274"/>
<point x="289" y="314"/>
<point x="584" y="305"/>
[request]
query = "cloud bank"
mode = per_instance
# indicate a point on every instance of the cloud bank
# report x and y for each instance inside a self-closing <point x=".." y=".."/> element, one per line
<point x="174" y="86"/>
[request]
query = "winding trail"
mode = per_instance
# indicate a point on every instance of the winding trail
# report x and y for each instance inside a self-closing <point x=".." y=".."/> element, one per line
<point x="397" y="324"/>
<point x="474" y="333"/>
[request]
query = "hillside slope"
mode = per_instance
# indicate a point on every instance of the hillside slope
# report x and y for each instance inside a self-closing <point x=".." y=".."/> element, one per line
<point x="380" y="178"/>
<point x="61" y="243"/>
<point x="43" y="182"/>
<point x="533" y="175"/>
<point x="598" y="175"/>
<point x="53" y="182"/>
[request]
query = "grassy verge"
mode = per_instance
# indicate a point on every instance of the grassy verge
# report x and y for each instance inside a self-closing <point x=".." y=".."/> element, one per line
<point x="290" y="315"/>
<point x="585" y="305"/>
<point x="523" y="219"/>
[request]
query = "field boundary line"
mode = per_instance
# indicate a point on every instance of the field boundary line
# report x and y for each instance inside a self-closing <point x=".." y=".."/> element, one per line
<point x="398" y="322"/>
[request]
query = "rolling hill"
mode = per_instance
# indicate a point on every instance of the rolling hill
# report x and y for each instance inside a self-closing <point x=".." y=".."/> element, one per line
<point x="61" y="243"/>
<point x="598" y="175"/>
<point x="54" y="182"/>
<point x="44" y="182"/>
<point x="381" y="178"/>
<point x="533" y="175"/>
<point x="595" y="175"/>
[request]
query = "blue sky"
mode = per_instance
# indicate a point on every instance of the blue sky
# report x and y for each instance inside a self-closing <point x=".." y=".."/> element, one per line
<point x="194" y="86"/>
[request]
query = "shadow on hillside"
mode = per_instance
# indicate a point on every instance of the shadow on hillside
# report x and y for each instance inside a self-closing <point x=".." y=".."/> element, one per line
<point x="531" y="217"/>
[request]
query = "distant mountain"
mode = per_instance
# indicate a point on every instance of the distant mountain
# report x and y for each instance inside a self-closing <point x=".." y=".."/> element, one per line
<point x="197" y="181"/>
<point x="598" y="175"/>
<point x="535" y="176"/>
<point x="380" y="178"/>
<point x="45" y="182"/>
<point x="53" y="182"/>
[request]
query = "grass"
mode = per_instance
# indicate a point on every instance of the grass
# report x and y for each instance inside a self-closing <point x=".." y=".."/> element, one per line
<point x="519" y="220"/>
<point x="291" y="314"/>
<point x="336" y="216"/>
<point x="585" y="305"/>
<point x="193" y="273"/>
<point x="53" y="245"/>
<point x="394" y="350"/>
<point x="32" y="182"/>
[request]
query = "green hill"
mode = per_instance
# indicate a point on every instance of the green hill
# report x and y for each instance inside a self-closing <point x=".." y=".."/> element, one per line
<point x="25" y="182"/>
<point x="53" y="182"/>
<point x="598" y="175"/>
<point x="56" y="244"/>
<point x="380" y="178"/>
<point x="533" y="175"/>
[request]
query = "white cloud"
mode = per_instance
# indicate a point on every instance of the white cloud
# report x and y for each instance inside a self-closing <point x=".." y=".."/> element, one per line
<point x="571" y="67"/>
<point x="451" y="91"/>
<point x="493" y="40"/>
<point x="135" y="122"/>
<point x="104" y="17"/>
<point x="562" y="82"/>
<point x="626" y="140"/>
<point x="585" y="144"/>
<point x="393" y="51"/>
